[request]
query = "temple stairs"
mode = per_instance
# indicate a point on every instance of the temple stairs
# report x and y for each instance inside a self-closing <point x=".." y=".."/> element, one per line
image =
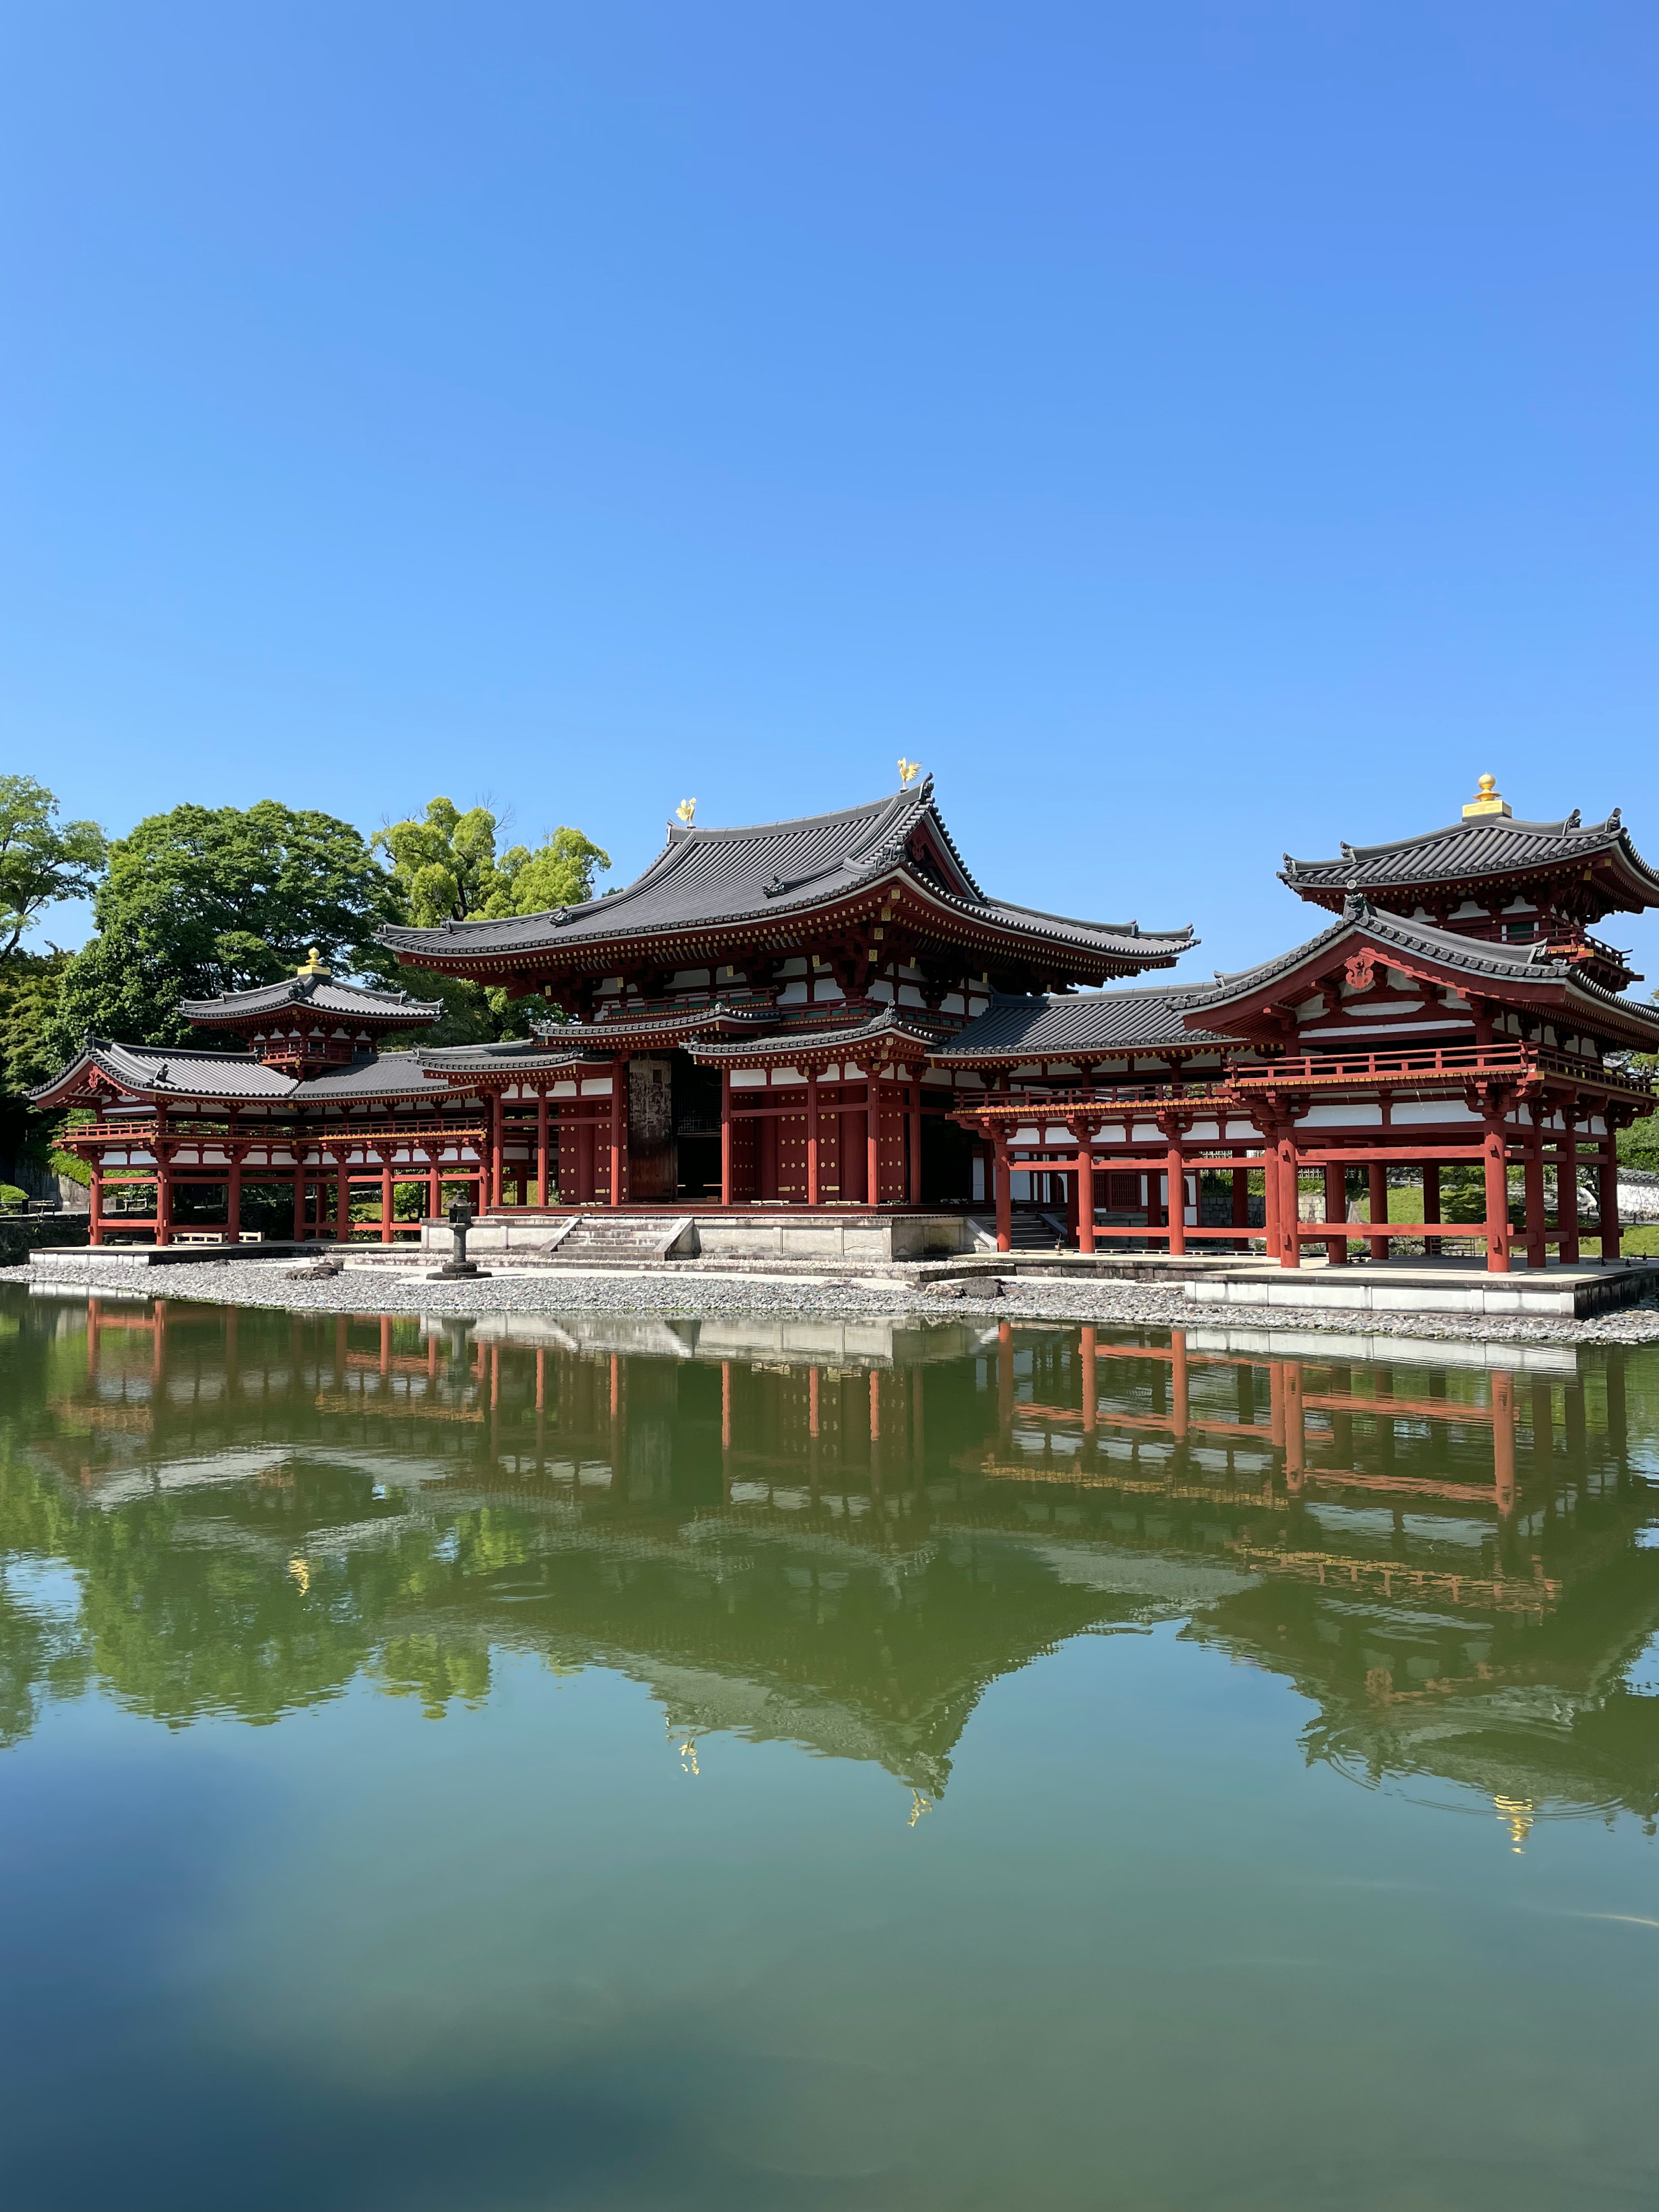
<point x="1030" y="1230"/>
<point x="593" y="1239"/>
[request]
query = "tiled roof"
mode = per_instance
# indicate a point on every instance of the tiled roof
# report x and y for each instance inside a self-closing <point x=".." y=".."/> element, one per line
<point x="532" y="1055"/>
<point x="610" y="1034"/>
<point x="1066" y="1028"/>
<point x="321" y="994"/>
<point x="908" y="1023"/>
<point x="384" y="1075"/>
<point x="1492" y="845"/>
<point x="1474" y="958"/>
<point x="706" y="879"/>
<point x="167" y="1071"/>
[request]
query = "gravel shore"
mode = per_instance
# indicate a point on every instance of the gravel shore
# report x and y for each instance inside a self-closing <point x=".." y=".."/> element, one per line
<point x="1112" y="1304"/>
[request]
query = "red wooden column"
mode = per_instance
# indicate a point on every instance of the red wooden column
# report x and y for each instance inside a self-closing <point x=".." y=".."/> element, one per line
<point x="1608" y="1194"/>
<point x="1378" y="1178"/>
<point x="915" y="1136"/>
<point x="1176" y="1209"/>
<point x="1336" y="1209"/>
<point x="1085" y="1188"/>
<point x="873" y="1139"/>
<point x="1284" y="1163"/>
<point x="1498" y="1196"/>
<point x="725" y="1136"/>
<point x="1533" y="1184"/>
<point x="341" y="1203"/>
<point x="95" y="1201"/>
<point x="163" y="1231"/>
<point x="386" y="1200"/>
<point x="493" y="1190"/>
<point x="433" y="1194"/>
<point x="541" y="1144"/>
<point x="1003" y="1186"/>
<point x="299" y="1194"/>
<point x="1566" y="1189"/>
<point x="812" y="1141"/>
<point x="233" y="1190"/>
<point x="1431" y="1204"/>
<point x="618" y="1127"/>
<point x="1273" y="1244"/>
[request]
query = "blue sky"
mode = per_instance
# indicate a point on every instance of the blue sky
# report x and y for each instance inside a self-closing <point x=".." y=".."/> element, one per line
<point x="1191" y="431"/>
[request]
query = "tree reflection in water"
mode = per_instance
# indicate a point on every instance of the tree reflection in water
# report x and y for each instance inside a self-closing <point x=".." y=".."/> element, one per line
<point x="836" y="1536"/>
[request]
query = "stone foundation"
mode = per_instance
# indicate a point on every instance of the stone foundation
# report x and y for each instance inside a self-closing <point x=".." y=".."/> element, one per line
<point x="833" y="1236"/>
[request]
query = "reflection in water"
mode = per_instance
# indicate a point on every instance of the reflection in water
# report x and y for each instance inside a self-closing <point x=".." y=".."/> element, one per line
<point x="936" y="1767"/>
<point x="837" y="1536"/>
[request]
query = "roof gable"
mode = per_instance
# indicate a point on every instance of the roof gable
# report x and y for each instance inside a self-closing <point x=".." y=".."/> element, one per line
<point x="316" y="994"/>
<point x="1487" y="848"/>
<point x="1518" y="974"/>
<point x="705" y="879"/>
<point x="163" y="1072"/>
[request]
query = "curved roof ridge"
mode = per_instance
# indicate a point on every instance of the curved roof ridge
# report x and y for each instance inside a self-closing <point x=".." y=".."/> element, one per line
<point x="304" y="990"/>
<point x="706" y="880"/>
<point x="683" y="843"/>
<point x="1129" y="930"/>
<point x="1476" y="957"/>
<point x="685" y="836"/>
<point x="1568" y="826"/>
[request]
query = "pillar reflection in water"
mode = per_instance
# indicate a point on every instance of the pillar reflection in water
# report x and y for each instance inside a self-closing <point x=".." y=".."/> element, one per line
<point x="763" y="1504"/>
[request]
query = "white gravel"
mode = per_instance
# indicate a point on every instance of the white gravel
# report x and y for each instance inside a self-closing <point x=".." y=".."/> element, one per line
<point x="382" y="1290"/>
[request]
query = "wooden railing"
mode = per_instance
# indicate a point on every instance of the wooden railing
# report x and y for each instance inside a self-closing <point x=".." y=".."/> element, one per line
<point x="1450" y="1063"/>
<point x="338" y="1133"/>
<point x="1440" y="1065"/>
<point x="1055" y="1105"/>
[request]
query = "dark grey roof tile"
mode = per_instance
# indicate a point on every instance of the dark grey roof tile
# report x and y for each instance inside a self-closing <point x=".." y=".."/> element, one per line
<point x="1086" y="1023"/>
<point x="705" y="878"/>
<point x="1492" y="845"/>
<point x="321" y="994"/>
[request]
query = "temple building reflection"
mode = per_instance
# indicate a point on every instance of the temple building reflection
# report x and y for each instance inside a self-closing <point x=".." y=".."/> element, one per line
<point x="840" y="1534"/>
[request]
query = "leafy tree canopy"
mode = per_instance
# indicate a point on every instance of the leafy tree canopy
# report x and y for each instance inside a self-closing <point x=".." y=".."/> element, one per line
<point x="29" y="985"/>
<point x="209" y="899"/>
<point x="447" y="867"/>
<point x="42" y="859"/>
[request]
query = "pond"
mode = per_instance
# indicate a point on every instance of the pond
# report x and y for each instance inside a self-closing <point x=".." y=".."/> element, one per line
<point x="544" y="1762"/>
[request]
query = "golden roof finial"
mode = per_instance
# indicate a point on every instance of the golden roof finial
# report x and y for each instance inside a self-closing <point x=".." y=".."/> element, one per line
<point x="1486" y="800"/>
<point x="687" y="810"/>
<point x="909" y="771"/>
<point x="314" y="966"/>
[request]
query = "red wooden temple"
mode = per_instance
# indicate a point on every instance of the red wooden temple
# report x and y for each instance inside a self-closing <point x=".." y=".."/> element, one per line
<point x="830" y="1013"/>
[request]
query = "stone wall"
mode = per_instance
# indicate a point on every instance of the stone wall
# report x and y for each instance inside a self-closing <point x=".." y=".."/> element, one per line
<point x="21" y="1234"/>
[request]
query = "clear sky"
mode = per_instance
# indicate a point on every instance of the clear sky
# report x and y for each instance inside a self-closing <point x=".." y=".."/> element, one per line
<point x="1191" y="430"/>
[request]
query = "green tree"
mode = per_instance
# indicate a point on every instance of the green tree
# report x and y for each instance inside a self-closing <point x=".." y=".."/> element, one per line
<point x="209" y="899"/>
<point x="447" y="867"/>
<point x="42" y="859"/>
<point x="29" y="985"/>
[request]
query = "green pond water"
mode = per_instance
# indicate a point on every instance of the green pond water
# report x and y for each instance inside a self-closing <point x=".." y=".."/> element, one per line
<point x="745" y="1763"/>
